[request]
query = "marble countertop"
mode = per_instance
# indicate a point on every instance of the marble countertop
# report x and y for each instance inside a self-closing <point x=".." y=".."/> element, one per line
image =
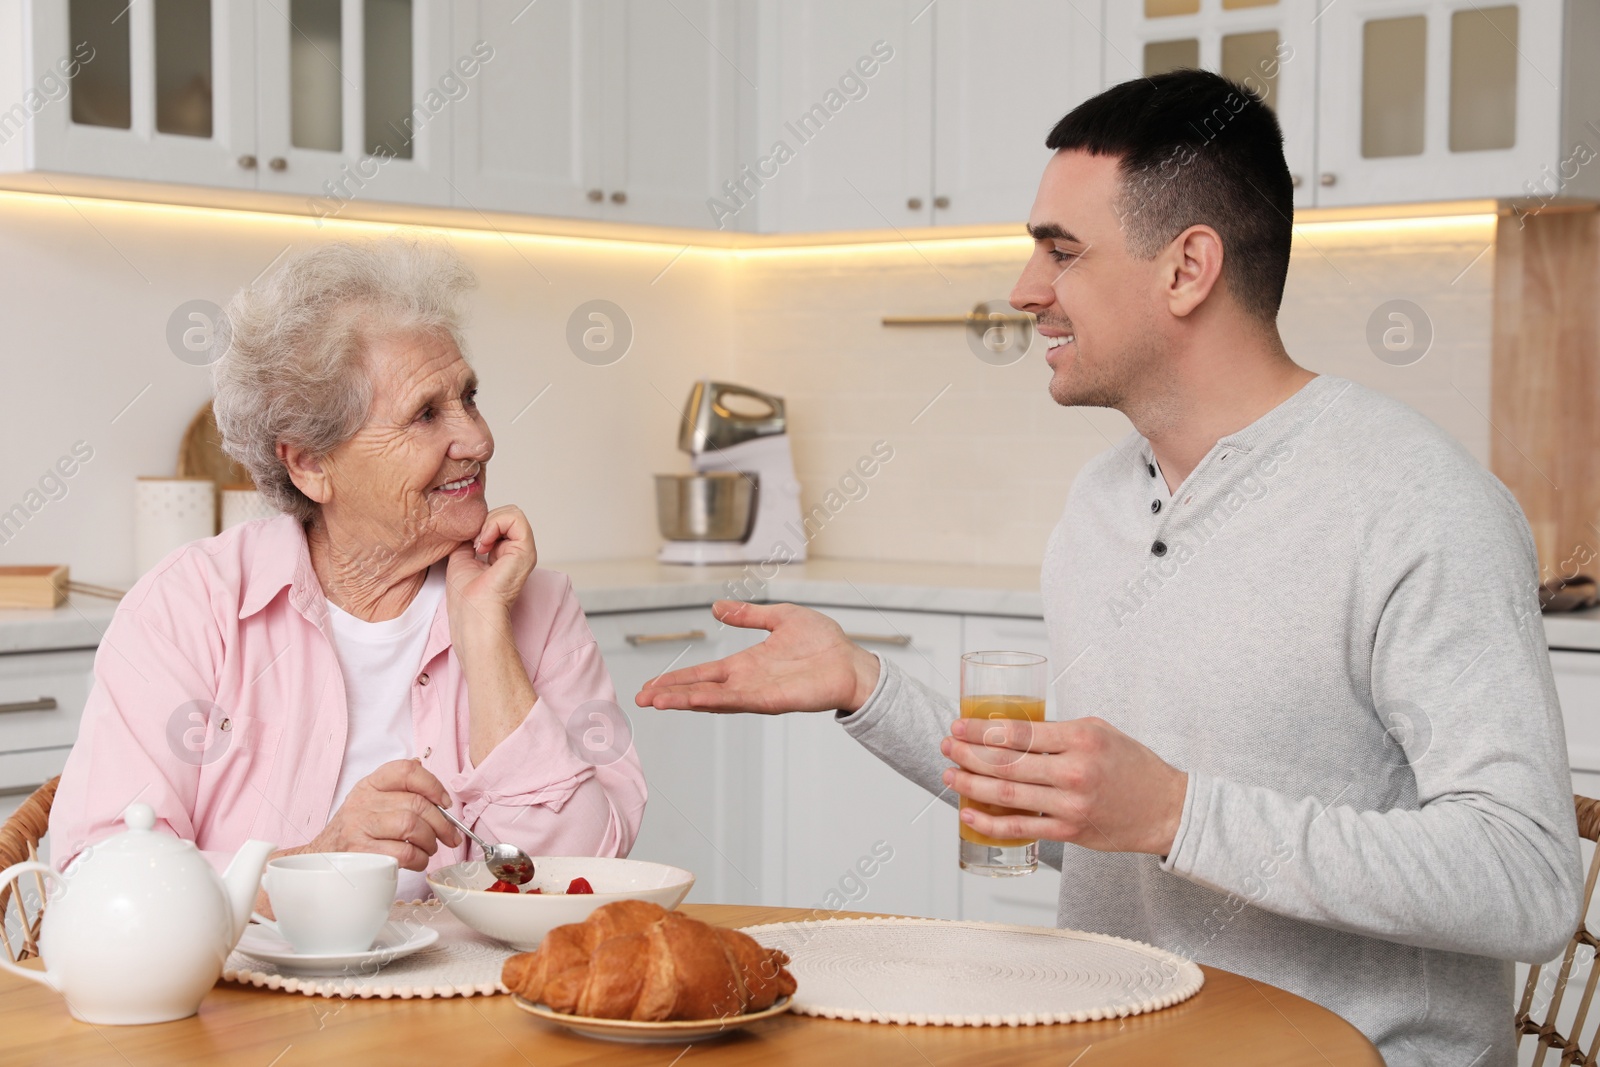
<point x="610" y="586"/>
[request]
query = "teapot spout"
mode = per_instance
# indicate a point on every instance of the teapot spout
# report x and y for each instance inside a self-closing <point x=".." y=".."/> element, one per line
<point x="242" y="879"/>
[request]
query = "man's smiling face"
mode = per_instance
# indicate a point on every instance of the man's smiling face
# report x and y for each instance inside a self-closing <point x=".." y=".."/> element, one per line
<point x="1096" y="304"/>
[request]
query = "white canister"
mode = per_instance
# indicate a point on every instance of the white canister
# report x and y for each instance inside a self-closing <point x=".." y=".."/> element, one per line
<point x="242" y="503"/>
<point x="169" y="512"/>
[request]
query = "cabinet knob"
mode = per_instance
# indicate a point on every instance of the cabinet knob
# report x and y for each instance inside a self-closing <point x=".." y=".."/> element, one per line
<point x="1296" y="181"/>
<point x="278" y="163"/>
<point x="1329" y="178"/>
<point x="247" y="161"/>
<point x="619" y="197"/>
<point x="941" y="202"/>
<point x="914" y="203"/>
<point x="595" y="196"/>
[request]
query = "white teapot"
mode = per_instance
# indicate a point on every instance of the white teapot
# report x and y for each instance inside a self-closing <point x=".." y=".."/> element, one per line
<point x="141" y="925"/>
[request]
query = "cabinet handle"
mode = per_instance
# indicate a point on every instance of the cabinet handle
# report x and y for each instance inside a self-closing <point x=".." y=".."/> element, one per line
<point x="595" y="196"/>
<point x="1296" y="181"/>
<point x="619" y="197"/>
<point x="656" y="639"/>
<point x="1329" y="179"/>
<point x="247" y="161"/>
<point x="278" y="163"/>
<point x="941" y="202"/>
<point x="914" y="203"/>
<point x="42" y="704"/>
<point x="898" y="640"/>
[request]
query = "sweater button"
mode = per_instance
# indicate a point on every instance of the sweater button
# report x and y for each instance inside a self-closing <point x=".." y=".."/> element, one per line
<point x="422" y="679"/>
<point x="1151" y="467"/>
<point x="427" y="752"/>
<point x="1155" y="506"/>
<point x="1159" y="548"/>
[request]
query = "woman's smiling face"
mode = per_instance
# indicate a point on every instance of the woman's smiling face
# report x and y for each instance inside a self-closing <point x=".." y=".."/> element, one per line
<point x="412" y="478"/>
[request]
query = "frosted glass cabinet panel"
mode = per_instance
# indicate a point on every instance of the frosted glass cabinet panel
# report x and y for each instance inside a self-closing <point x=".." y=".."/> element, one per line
<point x="1394" y="65"/>
<point x="102" y="91"/>
<point x="1483" y="79"/>
<point x="183" y="67"/>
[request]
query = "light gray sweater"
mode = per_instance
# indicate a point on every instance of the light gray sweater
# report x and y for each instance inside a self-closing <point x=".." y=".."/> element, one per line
<point x="1333" y="626"/>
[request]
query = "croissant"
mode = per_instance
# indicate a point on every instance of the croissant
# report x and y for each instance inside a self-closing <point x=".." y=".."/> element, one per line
<point x="633" y="960"/>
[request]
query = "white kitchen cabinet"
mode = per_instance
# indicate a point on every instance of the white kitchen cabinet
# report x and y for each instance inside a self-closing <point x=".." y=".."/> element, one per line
<point x="1578" y="685"/>
<point x="1269" y="47"/>
<point x="158" y="91"/>
<point x="893" y="113"/>
<point x="1386" y="101"/>
<point x="1004" y="73"/>
<point x="843" y="807"/>
<point x="844" y="116"/>
<point x="333" y="99"/>
<point x="702" y="770"/>
<point x="353" y="99"/>
<point x="625" y="110"/>
<point x="1448" y="99"/>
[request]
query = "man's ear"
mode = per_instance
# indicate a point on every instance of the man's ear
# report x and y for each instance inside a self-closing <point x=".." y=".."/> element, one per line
<point x="306" y="471"/>
<point x="1190" y="269"/>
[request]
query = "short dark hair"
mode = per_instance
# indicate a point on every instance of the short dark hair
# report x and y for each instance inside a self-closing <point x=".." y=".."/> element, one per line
<point x="1196" y="148"/>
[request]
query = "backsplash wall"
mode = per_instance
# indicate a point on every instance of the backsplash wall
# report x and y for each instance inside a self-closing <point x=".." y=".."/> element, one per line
<point x="982" y="458"/>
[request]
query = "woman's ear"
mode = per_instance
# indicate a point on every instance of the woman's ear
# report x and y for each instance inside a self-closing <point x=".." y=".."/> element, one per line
<point x="1192" y="268"/>
<point x="307" y="473"/>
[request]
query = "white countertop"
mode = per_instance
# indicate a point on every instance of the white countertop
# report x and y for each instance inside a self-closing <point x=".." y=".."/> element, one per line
<point x="645" y="585"/>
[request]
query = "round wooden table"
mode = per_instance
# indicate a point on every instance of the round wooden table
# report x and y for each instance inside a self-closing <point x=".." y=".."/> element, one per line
<point x="1232" y="1020"/>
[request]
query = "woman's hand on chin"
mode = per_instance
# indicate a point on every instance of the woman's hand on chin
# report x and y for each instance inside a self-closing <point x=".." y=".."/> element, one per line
<point x="390" y="811"/>
<point x="482" y="590"/>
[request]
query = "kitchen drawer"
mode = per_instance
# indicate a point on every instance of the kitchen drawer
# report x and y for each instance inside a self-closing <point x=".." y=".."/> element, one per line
<point x="23" y="772"/>
<point x="1578" y="684"/>
<point x="30" y="678"/>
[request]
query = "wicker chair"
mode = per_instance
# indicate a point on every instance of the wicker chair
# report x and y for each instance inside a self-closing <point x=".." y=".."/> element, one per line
<point x="19" y="841"/>
<point x="1546" y="1033"/>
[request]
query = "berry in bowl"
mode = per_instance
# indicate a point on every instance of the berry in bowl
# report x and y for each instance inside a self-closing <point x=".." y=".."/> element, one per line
<point x="564" y="889"/>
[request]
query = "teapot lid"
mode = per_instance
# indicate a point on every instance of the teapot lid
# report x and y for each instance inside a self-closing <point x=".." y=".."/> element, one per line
<point x="141" y="837"/>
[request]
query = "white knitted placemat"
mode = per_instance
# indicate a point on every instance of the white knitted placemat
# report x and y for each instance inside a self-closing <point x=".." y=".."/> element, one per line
<point x="462" y="963"/>
<point x="929" y="972"/>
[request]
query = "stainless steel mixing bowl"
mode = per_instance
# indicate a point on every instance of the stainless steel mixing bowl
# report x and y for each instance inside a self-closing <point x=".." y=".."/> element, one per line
<point x="714" y="506"/>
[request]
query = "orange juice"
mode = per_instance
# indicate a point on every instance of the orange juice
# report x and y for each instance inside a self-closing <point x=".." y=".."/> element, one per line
<point x="998" y="707"/>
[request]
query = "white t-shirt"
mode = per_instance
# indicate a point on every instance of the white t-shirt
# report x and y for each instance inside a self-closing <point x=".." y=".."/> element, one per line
<point x="379" y="661"/>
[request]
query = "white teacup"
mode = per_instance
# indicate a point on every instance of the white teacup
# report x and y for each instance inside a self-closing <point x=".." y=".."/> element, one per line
<point x="331" y="902"/>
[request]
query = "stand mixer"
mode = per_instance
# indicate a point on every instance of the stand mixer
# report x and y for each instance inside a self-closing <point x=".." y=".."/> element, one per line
<point x="742" y="504"/>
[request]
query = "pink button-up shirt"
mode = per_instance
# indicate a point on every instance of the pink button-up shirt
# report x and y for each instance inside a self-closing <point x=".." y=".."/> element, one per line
<point x="219" y="702"/>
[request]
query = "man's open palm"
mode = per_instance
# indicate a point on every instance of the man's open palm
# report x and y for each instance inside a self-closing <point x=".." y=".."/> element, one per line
<point x="807" y="664"/>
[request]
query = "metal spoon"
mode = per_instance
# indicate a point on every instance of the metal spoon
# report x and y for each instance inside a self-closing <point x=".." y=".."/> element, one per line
<point x="506" y="862"/>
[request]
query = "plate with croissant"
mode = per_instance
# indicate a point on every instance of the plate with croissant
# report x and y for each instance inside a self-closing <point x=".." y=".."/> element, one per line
<point x="634" y="971"/>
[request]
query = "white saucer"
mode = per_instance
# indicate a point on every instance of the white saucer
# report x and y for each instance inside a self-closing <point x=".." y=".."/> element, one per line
<point x="393" y="941"/>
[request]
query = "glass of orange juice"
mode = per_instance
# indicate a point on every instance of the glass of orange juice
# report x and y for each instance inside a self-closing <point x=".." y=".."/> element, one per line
<point x="1001" y="685"/>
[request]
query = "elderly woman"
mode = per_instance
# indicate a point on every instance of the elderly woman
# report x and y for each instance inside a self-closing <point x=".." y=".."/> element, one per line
<point x="323" y="678"/>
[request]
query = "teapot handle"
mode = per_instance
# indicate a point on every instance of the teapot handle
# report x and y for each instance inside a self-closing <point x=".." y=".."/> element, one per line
<point x="9" y="875"/>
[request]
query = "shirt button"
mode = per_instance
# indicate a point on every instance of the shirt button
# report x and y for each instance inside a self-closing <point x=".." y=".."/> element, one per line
<point x="1159" y="548"/>
<point x="422" y="679"/>
<point x="427" y="752"/>
<point x="1155" y="506"/>
<point x="1152" y="468"/>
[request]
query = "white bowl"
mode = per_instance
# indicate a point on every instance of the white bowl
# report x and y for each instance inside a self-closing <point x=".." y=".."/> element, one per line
<point x="522" y="920"/>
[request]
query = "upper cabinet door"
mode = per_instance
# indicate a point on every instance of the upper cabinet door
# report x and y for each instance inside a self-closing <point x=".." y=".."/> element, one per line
<point x="159" y="91"/>
<point x="1005" y="71"/>
<point x="844" y="124"/>
<point x="354" y="99"/>
<point x="674" y="79"/>
<point x="1268" y="46"/>
<point x="1437" y="101"/>
<point x="528" y="134"/>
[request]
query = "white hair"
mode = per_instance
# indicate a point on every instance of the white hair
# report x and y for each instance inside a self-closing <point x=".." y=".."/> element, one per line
<point x="295" y="372"/>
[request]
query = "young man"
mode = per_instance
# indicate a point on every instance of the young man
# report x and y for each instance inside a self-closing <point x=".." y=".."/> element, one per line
<point x="1315" y="738"/>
